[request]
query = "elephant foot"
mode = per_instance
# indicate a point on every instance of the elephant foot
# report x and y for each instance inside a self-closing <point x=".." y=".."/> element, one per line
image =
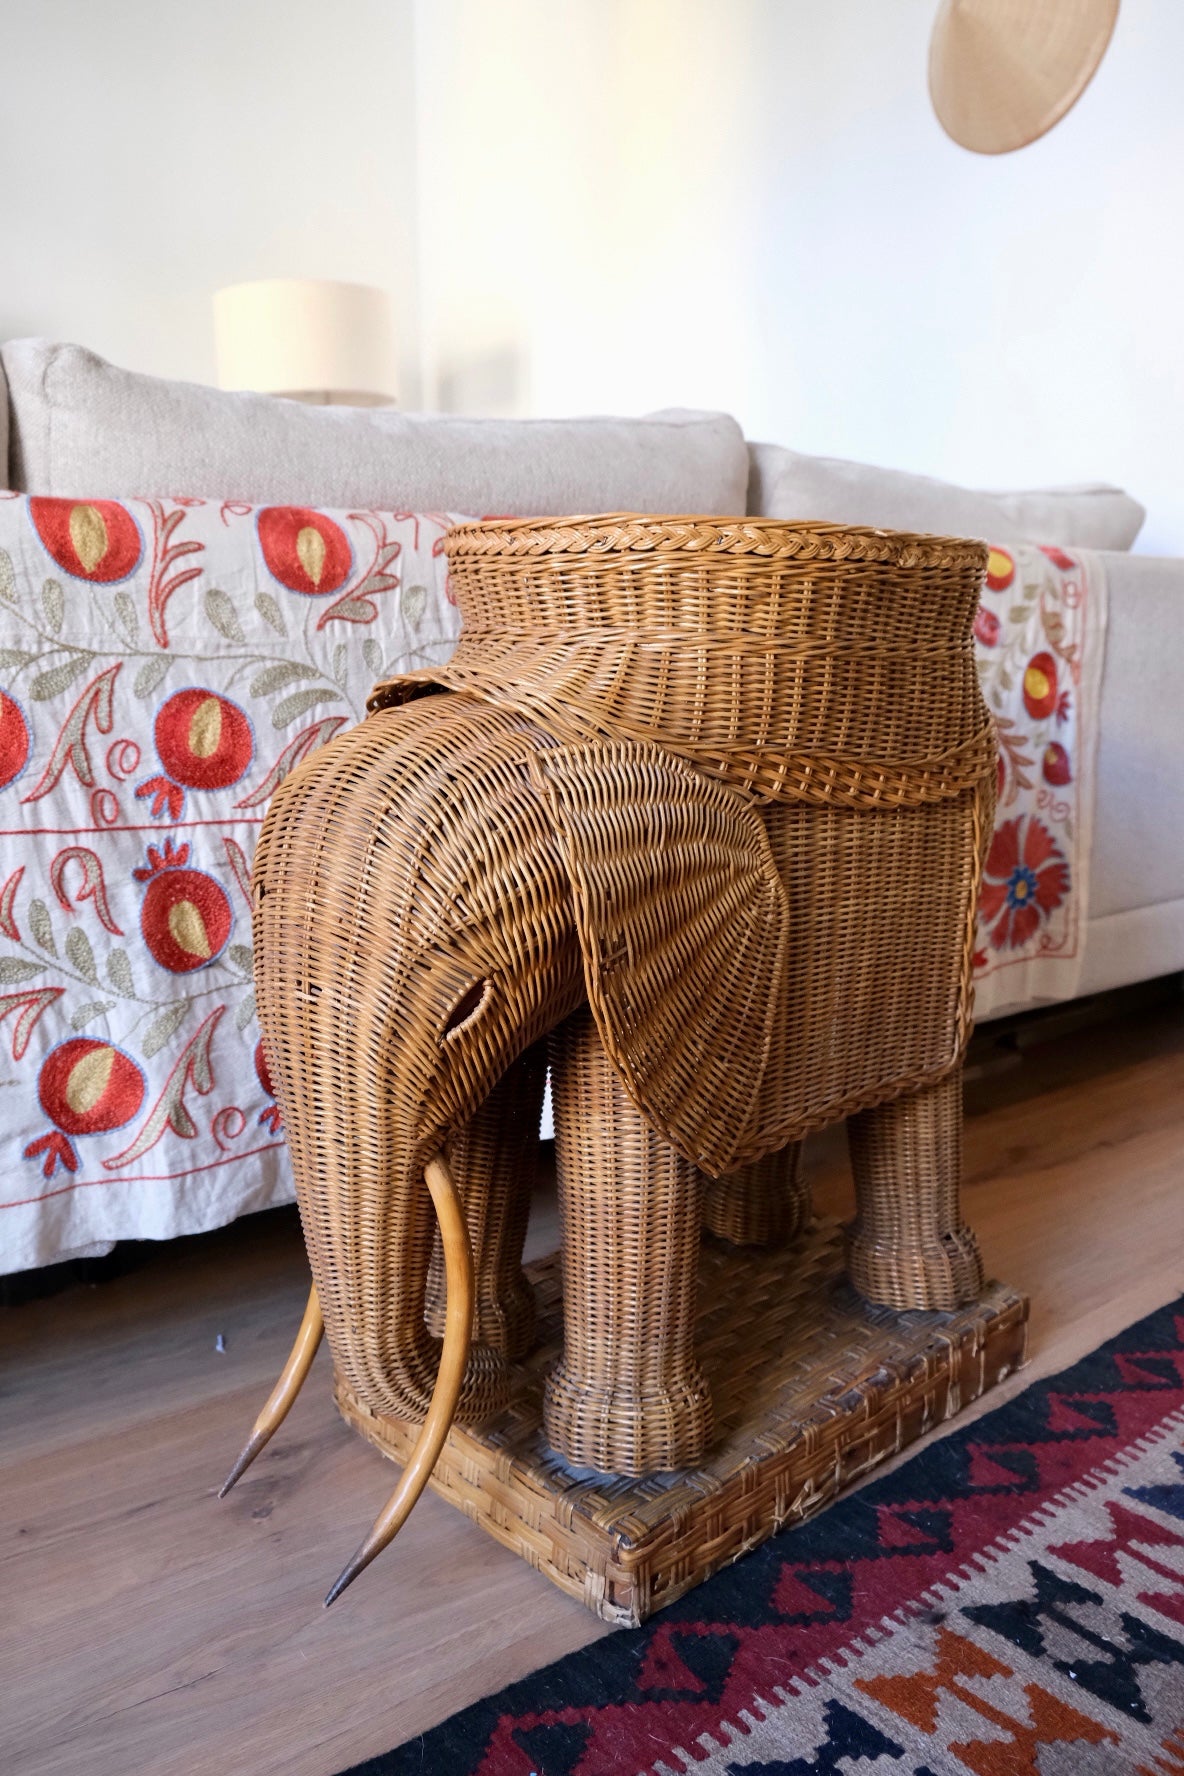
<point x="766" y="1203"/>
<point x="909" y="1246"/>
<point x="939" y="1276"/>
<point x="617" y="1432"/>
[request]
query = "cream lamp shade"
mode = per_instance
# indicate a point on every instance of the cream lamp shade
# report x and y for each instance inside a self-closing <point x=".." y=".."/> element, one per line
<point x="308" y="339"/>
<point x="1002" y="72"/>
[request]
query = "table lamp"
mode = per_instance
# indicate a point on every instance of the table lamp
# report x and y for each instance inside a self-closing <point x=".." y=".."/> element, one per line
<point x="308" y="339"/>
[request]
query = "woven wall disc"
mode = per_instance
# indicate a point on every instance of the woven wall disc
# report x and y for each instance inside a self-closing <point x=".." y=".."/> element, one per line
<point x="1002" y="72"/>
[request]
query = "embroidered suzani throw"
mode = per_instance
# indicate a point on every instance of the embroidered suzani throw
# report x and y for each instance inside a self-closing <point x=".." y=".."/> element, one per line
<point x="163" y="665"/>
<point x="1040" y="640"/>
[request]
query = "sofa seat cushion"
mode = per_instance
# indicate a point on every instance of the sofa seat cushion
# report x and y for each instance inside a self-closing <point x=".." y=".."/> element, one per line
<point x="788" y="484"/>
<point x="81" y="426"/>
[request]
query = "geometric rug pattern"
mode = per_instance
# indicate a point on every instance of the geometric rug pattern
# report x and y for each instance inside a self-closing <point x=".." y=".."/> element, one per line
<point x="1011" y="1600"/>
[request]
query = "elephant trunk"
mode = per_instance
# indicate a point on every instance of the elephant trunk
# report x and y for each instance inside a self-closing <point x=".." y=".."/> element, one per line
<point x="352" y="1049"/>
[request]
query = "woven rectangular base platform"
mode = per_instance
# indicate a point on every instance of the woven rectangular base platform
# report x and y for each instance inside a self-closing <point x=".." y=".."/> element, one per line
<point x="812" y="1388"/>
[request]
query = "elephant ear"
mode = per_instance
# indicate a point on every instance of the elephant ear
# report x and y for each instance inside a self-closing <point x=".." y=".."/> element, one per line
<point x="683" y="921"/>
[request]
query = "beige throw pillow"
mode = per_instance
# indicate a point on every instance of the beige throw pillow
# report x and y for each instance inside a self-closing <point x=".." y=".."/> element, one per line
<point x="81" y="426"/>
<point x="787" y="484"/>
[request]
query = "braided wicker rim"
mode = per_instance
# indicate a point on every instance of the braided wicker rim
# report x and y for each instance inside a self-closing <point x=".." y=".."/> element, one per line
<point x="774" y="538"/>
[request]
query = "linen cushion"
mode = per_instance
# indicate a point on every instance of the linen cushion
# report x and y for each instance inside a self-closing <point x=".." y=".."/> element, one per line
<point x="788" y="484"/>
<point x="81" y="426"/>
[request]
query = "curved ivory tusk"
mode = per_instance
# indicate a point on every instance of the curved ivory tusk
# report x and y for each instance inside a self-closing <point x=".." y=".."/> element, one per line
<point x="279" y="1401"/>
<point x="454" y="1356"/>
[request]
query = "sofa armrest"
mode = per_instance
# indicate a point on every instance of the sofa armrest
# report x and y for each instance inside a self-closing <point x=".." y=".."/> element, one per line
<point x="1138" y="848"/>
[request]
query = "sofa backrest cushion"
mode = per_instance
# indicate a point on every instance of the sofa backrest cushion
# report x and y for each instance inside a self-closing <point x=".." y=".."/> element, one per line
<point x="787" y="484"/>
<point x="5" y="480"/>
<point x="83" y="427"/>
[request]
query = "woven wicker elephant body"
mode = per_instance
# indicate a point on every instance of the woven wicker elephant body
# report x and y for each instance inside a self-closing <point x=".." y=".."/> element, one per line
<point x="720" y="959"/>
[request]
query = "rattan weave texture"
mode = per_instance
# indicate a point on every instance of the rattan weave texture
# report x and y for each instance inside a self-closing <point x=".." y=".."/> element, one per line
<point x="730" y="784"/>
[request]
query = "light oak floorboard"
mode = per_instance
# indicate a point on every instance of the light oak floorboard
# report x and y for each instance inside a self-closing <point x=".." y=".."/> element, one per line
<point x="146" y="1628"/>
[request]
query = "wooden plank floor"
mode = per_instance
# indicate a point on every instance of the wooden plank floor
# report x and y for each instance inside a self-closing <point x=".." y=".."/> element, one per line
<point x="146" y="1628"/>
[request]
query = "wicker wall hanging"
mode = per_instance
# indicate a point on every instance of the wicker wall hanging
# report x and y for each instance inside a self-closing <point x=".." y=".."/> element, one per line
<point x="1003" y="72"/>
<point x="702" y="804"/>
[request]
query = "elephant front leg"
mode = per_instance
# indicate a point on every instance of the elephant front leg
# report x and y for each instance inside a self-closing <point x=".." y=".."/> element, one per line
<point x="494" y="1160"/>
<point x="909" y="1246"/>
<point x="627" y="1396"/>
<point x="766" y="1203"/>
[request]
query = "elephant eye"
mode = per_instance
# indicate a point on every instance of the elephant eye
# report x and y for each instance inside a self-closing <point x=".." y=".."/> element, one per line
<point x="470" y="1003"/>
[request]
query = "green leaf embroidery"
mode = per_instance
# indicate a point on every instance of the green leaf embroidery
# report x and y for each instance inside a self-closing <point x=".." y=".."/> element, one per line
<point x="52" y="683"/>
<point x="340" y="663"/>
<point x="13" y="970"/>
<point x="414" y="603"/>
<point x="54" y="605"/>
<point x="125" y="610"/>
<point x="41" y="926"/>
<point x="354" y="610"/>
<point x="86" y="1014"/>
<point x="243" y="957"/>
<point x="7" y="578"/>
<point x="119" y="973"/>
<point x="274" y="678"/>
<point x="162" y="1028"/>
<point x="245" y="1012"/>
<point x="81" y="955"/>
<point x="298" y="702"/>
<point x="150" y="675"/>
<point x="222" y="614"/>
<point x="372" y="654"/>
<point x="270" y="611"/>
<point x="14" y="658"/>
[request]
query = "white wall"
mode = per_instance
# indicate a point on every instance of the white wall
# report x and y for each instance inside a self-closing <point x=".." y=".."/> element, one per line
<point x="624" y="204"/>
<point x="152" y="150"/>
<point x="628" y="203"/>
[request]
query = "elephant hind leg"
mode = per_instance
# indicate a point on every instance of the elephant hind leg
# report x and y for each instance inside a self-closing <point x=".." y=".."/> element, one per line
<point x="909" y="1246"/>
<point x="766" y="1203"/>
<point x="493" y="1160"/>
<point x="627" y="1396"/>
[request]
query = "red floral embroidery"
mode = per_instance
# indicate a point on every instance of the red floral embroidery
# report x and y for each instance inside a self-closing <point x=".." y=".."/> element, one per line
<point x="85" y="1087"/>
<point x="96" y="540"/>
<point x="270" y="1117"/>
<point x="186" y="918"/>
<point x="1000" y="569"/>
<point x="1026" y="876"/>
<point x="204" y="742"/>
<point x="96" y="705"/>
<point x="305" y="550"/>
<point x="14" y="740"/>
<point x="986" y="627"/>
<point x="1055" y="767"/>
<point x="92" y="886"/>
<point x="1040" y="686"/>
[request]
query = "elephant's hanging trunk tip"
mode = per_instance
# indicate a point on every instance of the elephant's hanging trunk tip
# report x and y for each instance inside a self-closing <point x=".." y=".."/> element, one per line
<point x="279" y="1401"/>
<point x="454" y="1356"/>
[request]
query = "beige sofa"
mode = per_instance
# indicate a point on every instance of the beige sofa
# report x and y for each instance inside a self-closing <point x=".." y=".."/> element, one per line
<point x="71" y="424"/>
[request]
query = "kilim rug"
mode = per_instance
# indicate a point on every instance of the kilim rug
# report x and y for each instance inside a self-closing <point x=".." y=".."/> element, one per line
<point x="1011" y="1600"/>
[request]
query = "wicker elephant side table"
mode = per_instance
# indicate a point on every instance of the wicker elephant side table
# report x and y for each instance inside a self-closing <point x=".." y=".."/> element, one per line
<point x="696" y="814"/>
